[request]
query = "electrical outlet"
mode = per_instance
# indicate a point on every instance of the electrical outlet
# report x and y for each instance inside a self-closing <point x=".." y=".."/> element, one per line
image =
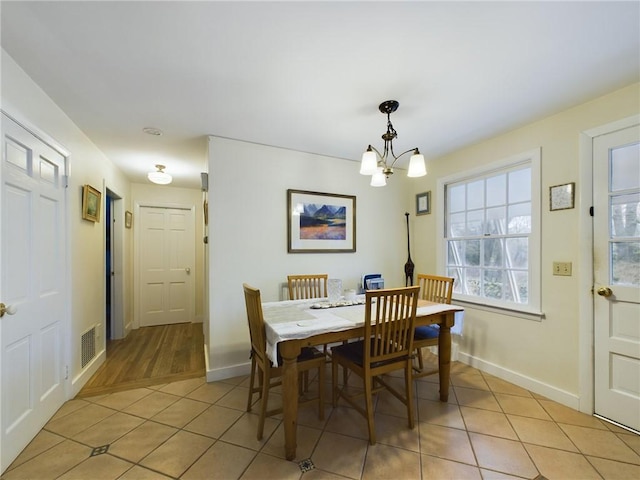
<point x="562" y="268"/>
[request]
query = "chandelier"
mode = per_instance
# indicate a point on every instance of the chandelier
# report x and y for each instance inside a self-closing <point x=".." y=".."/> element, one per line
<point x="160" y="176"/>
<point x="380" y="165"/>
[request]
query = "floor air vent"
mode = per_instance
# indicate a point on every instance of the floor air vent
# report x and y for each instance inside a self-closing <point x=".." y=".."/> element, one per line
<point x="88" y="345"/>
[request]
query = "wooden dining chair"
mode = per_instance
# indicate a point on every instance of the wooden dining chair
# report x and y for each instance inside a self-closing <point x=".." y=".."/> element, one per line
<point x="433" y="288"/>
<point x="269" y="375"/>
<point x="307" y="286"/>
<point x="387" y="345"/>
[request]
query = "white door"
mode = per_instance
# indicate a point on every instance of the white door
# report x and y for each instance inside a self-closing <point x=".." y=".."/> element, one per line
<point x="32" y="283"/>
<point x="166" y="258"/>
<point x="616" y="192"/>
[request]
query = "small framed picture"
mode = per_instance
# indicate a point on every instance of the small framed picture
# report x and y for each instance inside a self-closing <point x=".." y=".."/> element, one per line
<point x="423" y="203"/>
<point x="91" y="203"/>
<point x="562" y="197"/>
<point x="128" y="219"/>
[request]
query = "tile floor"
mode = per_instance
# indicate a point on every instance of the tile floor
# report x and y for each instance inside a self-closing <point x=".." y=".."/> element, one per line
<point x="489" y="429"/>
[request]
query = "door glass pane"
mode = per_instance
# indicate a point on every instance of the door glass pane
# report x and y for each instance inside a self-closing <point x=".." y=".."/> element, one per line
<point x="625" y="167"/>
<point x="625" y="258"/>
<point x="625" y="215"/>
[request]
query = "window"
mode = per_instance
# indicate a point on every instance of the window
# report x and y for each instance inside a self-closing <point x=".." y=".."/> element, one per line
<point x="491" y="234"/>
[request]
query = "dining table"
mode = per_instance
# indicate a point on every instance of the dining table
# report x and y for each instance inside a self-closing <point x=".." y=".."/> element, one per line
<point x="291" y="325"/>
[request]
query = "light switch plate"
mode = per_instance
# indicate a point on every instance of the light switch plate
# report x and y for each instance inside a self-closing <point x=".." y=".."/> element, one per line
<point x="562" y="268"/>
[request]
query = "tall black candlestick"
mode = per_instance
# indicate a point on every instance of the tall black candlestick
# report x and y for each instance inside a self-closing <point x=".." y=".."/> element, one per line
<point x="408" y="267"/>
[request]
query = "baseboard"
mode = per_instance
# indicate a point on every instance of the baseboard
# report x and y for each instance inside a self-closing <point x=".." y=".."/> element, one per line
<point x="85" y="375"/>
<point x="213" y="375"/>
<point x="553" y="393"/>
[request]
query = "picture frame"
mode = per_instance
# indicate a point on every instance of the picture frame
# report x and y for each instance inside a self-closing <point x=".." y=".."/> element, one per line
<point x="562" y="197"/>
<point x="320" y="222"/>
<point x="423" y="203"/>
<point x="91" y="203"/>
<point x="128" y="219"/>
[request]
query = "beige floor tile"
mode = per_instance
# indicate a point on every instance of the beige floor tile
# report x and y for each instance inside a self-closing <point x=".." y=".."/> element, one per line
<point x="222" y="461"/>
<point x="309" y="417"/>
<point x="498" y="385"/>
<point x="554" y="463"/>
<point x="244" y="431"/>
<point x="138" y="443"/>
<point x="351" y="459"/>
<point x="473" y="397"/>
<point x="524" y="406"/>
<point x="237" y="398"/>
<point x="70" y="407"/>
<point x="108" y="430"/>
<point x="347" y="421"/>
<point x="71" y="425"/>
<point x="541" y="432"/>
<point x="240" y="380"/>
<point x="210" y="392"/>
<point x="151" y="405"/>
<point x="180" y="413"/>
<point x="600" y="443"/>
<point x="214" y="421"/>
<point x="439" y="413"/>
<point x="503" y="455"/>
<point x="317" y="474"/>
<point x="632" y="440"/>
<point x="177" y="454"/>
<point x="42" y="442"/>
<point x="615" y="470"/>
<point x="52" y="463"/>
<point x="395" y="431"/>
<point x="384" y="461"/>
<point x="183" y="387"/>
<point x="121" y="400"/>
<point x="99" y="467"/>
<point x="265" y="467"/>
<point x="492" y="475"/>
<point x="390" y="405"/>
<point x="140" y="473"/>
<point x="562" y="414"/>
<point x="469" y="380"/>
<point x="439" y="468"/>
<point x="487" y="422"/>
<point x="444" y="442"/>
<point x="306" y="440"/>
<point x="431" y="391"/>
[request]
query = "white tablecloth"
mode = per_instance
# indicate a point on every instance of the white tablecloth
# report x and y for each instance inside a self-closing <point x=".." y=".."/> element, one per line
<point x="295" y="319"/>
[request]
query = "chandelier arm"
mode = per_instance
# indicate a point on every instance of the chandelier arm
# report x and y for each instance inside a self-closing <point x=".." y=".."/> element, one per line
<point x="403" y="153"/>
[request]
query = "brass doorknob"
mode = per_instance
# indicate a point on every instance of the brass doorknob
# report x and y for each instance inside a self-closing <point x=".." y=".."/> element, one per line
<point x="605" y="292"/>
<point x="8" y="309"/>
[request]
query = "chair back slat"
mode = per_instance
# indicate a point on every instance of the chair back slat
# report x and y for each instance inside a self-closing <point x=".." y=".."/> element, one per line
<point x="389" y="318"/>
<point x="307" y="286"/>
<point x="256" y="321"/>
<point x="435" y="288"/>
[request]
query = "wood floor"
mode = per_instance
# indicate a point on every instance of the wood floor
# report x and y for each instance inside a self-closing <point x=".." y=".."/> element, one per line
<point x="150" y="356"/>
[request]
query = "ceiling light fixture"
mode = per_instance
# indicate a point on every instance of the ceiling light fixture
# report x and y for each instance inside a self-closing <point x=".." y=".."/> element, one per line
<point x="156" y="132"/>
<point x="160" y="176"/>
<point x="376" y="164"/>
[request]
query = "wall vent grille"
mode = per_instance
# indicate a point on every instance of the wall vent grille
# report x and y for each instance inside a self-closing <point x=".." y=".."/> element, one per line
<point x="88" y="346"/>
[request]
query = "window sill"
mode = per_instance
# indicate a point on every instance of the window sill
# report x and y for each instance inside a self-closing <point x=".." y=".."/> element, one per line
<point x="526" y="314"/>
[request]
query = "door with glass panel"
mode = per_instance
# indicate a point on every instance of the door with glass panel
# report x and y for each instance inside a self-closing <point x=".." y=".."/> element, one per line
<point x="616" y="223"/>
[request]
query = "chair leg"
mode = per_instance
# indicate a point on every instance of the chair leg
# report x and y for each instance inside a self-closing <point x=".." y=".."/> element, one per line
<point x="344" y="369"/>
<point x="266" y="382"/>
<point x="321" y="391"/>
<point x="420" y="361"/>
<point x="368" y="381"/>
<point x="251" y="382"/>
<point x="334" y="381"/>
<point x="408" y="378"/>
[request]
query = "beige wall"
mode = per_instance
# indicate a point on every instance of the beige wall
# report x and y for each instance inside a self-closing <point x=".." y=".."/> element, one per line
<point x="541" y="355"/>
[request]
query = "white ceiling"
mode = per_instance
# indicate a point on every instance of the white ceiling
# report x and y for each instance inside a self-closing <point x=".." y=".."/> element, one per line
<point x="309" y="75"/>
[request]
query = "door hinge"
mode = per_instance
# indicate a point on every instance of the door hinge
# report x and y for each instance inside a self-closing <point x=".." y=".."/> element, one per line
<point x="591" y="211"/>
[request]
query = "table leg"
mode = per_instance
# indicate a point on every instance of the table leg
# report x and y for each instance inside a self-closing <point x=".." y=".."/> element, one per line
<point x="289" y="355"/>
<point x="444" y="356"/>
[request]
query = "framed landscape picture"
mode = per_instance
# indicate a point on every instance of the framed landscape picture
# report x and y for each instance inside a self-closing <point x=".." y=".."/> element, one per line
<point x="320" y="222"/>
<point x="91" y="203"/>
